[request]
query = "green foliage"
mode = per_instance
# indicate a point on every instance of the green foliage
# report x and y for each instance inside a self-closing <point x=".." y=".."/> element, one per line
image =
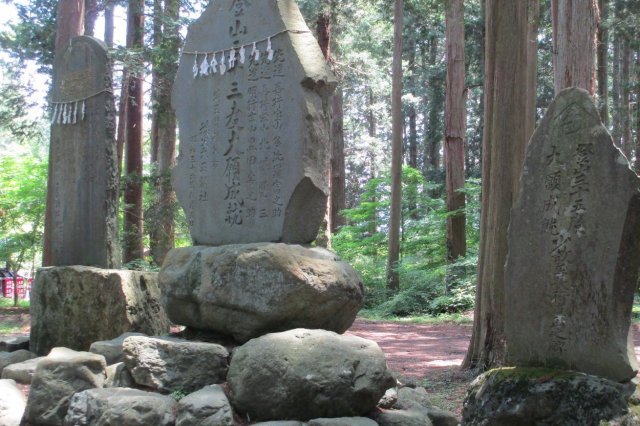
<point x="428" y="284"/>
<point x="8" y="303"/>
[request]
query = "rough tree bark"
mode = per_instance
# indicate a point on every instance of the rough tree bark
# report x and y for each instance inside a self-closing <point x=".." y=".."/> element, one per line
<point x="133" y="228"/>
<point x="532" y="69"/>
<point x="69" y="23"/>
<point x="625" y="100"/>
<point x="455" y="119"/>
<point x="603" y="61"/>
<point x="575" y="24"/>
<point x="397" y="125"/>
<point x="504" y="141"/>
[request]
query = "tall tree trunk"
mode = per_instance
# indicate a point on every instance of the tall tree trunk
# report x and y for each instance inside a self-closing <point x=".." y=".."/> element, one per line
<point x="108" y="23"/>
<point x="625" y="101"/>
<point x="166" y="38"/>
<point x="373" y="172"/>
<point x="91" y="12"/>
<point x="603" y="62"/>
<point x="455" y="119"/>
<point x="338" y="202"/>
<point x="433" y="131"/>
<point x="575" y="24"/>
<point x="393" y="278"/>
<point x="532" y="69"/>
<point x="412" y="113"/>
<point x="69" y="23"/>
<point x="133" y="228"/>
<point x="615" y="93"/>
<point x="504" y="141"/>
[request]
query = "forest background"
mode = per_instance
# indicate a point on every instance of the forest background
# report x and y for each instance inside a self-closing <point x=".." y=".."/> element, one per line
<point x="434" y="276"/>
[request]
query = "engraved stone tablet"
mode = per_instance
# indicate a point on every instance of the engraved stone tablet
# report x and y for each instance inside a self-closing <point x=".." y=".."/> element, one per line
<point x="83" y="192"/>
<point x="574" y="250"/>
<point x="251" y="99"/>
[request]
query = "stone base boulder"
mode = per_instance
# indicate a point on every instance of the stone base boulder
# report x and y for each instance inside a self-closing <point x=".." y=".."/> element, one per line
<point x="12" y="403"/>
<point x="8" y="358"/>
<point x="208" y="406"/>
<point x="539" y="396"/>
<point x="246" y="291"/>
<point x="168" y="365"/>
<point x="22" y="372"/>
<point x="307" y="374"/>
<point x="75" y="306"/>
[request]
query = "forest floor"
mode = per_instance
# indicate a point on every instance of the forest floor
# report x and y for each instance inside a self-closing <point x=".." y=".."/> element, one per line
<point x="426" y="355"/>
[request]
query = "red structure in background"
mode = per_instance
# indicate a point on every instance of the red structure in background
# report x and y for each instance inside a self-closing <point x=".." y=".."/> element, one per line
<point x="23" y="289"/>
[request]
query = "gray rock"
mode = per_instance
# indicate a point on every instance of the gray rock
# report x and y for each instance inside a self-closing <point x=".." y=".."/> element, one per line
<point x="403" y="418"/>
<point x="120" y="406"/>
<point x="343" y="421"/>
<point x="12" y="403"/>
<point x="574" y="254"/>
<point x="412" y="398"/>
<point x="12" y="344"/>
<point x="83" y="172"/>
<point x="111" y="350"/>
<point x="77" y="305"/>
<point x="8" y="358"/>
<point x="169" y="365"/>
<point x="280" y="423"/>
<point x="60" y="375"/>
<point x="307" y="374"/>
<point x="442" y="417"/>
<point x="539" y="396"/>
<point x="118" y="376"/>
<point x="22" y="372"/>
<point x="208" y="406"/>
<point x="389" y="398"/>
<point x="249" y="290"/>
<point x="255" y="142"/>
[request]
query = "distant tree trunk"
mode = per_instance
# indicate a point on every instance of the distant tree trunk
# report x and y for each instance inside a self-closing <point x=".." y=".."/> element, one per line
<point x="433" y="130"/>
<point x="393" y="278"/>
<point x="625" y="101"/>
<point x="91" y="12"/>
<point x="532" y="69"/>
<point x="504" y="142"/>
<point x="373" y="134"/>
<point x="412" y="113"/>
<point x="455" y="119"/>
<point x="603" y="61"/>
<point x="133" y="228"/>
<point x="575" y="24"/>
<point x="69" y="23"/>
<point x="337" y="162"/>
<point x="108" y="23"/>
<point x="167" y="39"/>
<point x="615" y="93"/>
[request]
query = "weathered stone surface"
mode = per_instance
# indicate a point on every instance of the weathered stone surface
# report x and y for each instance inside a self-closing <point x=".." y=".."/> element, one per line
<point x="12" y="403"/>
<point x="61" y="374"/>
<point x="8" y="358"/>
<point x="574" y="250"/>
<point x="412" y="398"/>
<point x="306" y="374"/>
<point x="343" y="421"/>
<point x="111" y="350"/>
<point x="249" y="290"/>
<point x="22" y="372"/>
<point x="539" y="396"/>
<point x="170" y="364"/>
<point x="403" y="418"/>
<point x="82" y="224"/>
<point x="255" y="144"/>
<point x="208" y="406"/>
<point x="118" y="376"/>
<point x="75" y="306"/>
<point x="12" y="344"/>
<point x="120" y="406"/>
<point x="280" y="423"/>
<point x="389" y="398"/>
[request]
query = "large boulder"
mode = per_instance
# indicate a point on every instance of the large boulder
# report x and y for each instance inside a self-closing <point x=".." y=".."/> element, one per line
<point x="14" y="343"/>
<point x="305" y="374"/>
<point x="12" y="403"/>
<point x="22" y="372"/>
<point x="75" y="306"/>
<point x="249" y="290"/>
<point x="208" y="406"/>
<point x="111" y="349"/>
<point x="540" y="396"/>
<point x="169" y="364"/>
<point x="8" y="358"/>
<point x="120" y="406"/>
<point x="60" y="375"/>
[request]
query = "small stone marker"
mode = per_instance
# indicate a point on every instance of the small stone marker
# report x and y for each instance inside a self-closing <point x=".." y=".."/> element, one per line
<point x="83" y="192"/>
<point x="574" y="250"/>
<point x="251" y="96"/>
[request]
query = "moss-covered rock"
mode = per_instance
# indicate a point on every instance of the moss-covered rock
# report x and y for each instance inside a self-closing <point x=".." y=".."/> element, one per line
<point x="541" y="396"/>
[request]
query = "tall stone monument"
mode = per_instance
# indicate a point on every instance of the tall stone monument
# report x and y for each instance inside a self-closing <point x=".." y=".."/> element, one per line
<point x="82" y="225"/>
<point x="251" y="98"/>
<point x="574" y="249"/>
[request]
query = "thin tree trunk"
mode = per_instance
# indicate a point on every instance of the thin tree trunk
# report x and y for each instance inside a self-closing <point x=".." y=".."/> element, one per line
<point x="91" y="12"/>
<point x="532" y="69"/>
<point x="625" y="101"/>
<point x="615" y="93"/>
<point x="603" y="62"/>
<point x="433" y="133"/>
<point x="108" y="23"/>
<point x="133" y="228"/>
<point x="337" y="162"/>
<point x="575" y="24"/>
<point x="69" y="23"/>
<point x="393" y="278"/>
<point x="373" y="172"/>
<point x="455" y="119"/>
<point x="504" y="142"/>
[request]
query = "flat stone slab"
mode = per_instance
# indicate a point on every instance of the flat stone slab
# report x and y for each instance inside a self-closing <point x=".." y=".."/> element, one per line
<point x="8" y="358"/>
<point x="111" y="350"/>
<point x="22" y="372"/>
<point x="574" y="251"/>
<point x="12" y="344"/>
<point x="75" y="306"/>
<point x="248" y="290"/>
<point x="252" y="103"/>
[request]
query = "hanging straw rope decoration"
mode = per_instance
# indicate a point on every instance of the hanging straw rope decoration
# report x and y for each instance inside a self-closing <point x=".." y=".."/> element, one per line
<point x="226" y="59"/>
<point x="73" y="111"/>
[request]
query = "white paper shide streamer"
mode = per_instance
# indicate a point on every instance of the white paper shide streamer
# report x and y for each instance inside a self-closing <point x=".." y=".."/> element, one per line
<point x="75" y="111"/>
